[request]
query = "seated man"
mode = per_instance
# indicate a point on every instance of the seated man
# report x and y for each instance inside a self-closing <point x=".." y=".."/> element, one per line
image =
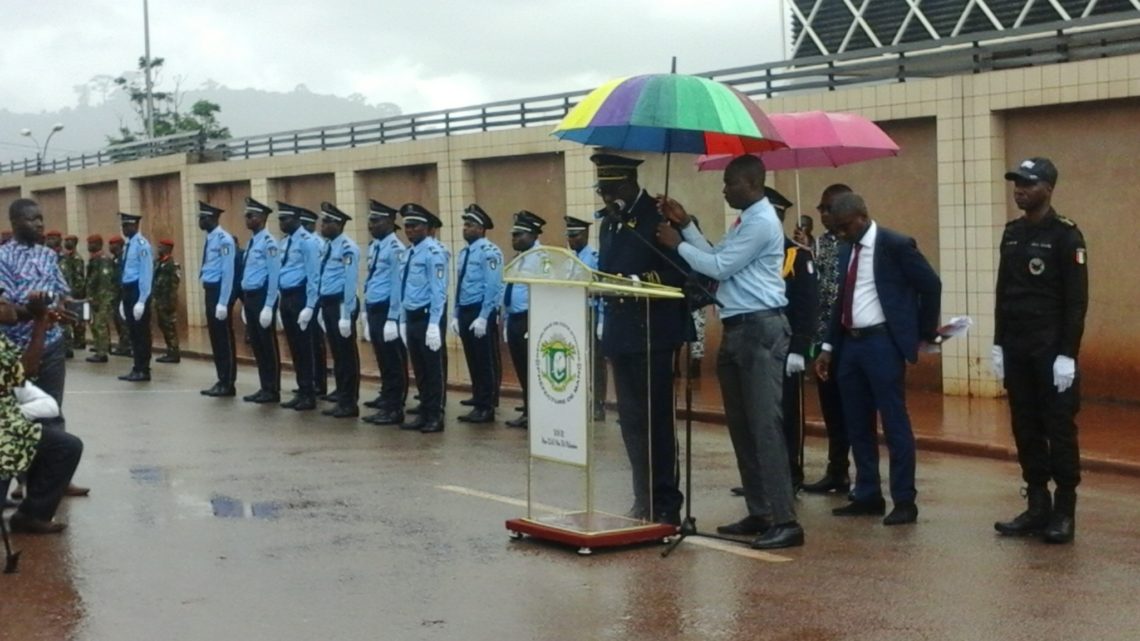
<point x="48" y="456"/>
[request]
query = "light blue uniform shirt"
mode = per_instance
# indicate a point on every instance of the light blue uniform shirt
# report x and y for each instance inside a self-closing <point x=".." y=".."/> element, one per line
<point x="483" y="278"/>
<point x="339" y="268"/>
<point x="589" y="256"/>
<point x="262" y="266"/>
<point x="382" y="277"/>
<point x="748" y="261"/>
<point x="301" y="263"/>
<point x="520" y="292"/>
<point x="138" y="265"/>
<point x="218" y="267"/>
<point x="424" y="279"/>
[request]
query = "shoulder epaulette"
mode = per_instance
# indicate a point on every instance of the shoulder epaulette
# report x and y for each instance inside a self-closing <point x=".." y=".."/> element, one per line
<point x="1064" y="220"/>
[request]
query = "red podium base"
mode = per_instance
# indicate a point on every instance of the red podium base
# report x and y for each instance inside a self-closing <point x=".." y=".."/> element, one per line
<point x="589" y="530"/>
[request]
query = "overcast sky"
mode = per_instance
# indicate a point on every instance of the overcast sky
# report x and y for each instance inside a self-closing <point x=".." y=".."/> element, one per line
<point x="419" y="54"/>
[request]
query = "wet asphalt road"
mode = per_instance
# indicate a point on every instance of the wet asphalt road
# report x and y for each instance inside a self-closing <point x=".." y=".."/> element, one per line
<point x="214" y="519"/>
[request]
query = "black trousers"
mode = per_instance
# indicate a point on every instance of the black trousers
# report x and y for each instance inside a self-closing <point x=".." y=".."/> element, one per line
<point x="221" y="336"/>
<point x="51" y="378"/>
<point x="517" y="327"/>
<point x="483" y="357"/>
<point x="1043" y="419"/>
<point x="263" y="341"/>
<point x="600" y="378"/>
<point x="428" y="366"/>
<point x="644" y="383"/>
<point x="300" y="341"/>
<point x="57" y="455"/>
<point x="320" y="355"/>
<point x="139" y="330"/>
<point x="391" y="357"/>
<point x="345" y="352"/>
<point x="838" y="449"/>
<point x="793" y="405"/>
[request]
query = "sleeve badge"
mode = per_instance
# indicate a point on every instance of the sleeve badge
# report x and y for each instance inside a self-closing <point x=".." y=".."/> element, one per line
<point x="439" y="272"/>
<point x="1082" y="256"/>
<point x="347" y="259"/>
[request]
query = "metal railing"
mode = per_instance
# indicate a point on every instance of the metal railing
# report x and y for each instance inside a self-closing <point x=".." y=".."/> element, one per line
<point x="1086" y="38"/>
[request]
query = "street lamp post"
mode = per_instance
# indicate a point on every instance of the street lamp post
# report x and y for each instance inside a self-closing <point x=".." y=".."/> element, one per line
<point x="41" y="150"/>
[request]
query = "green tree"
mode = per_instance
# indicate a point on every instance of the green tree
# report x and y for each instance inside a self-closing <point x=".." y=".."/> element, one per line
<point x="169" y="118"/>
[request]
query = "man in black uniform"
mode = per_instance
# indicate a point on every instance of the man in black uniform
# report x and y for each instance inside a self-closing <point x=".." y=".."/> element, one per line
<point x="1041" y="300"/>
<point x="640" y="337"/>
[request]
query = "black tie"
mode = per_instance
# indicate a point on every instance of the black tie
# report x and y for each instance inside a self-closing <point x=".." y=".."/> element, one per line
<point x="372" y="264"/>
<point x="205" y="248"/>
<point x="507" y="297"/>
<point x="288" y="244"/>
<point x="324" y="261"/>
<point x="404" y="278"/>
<point x="462" y="272"/>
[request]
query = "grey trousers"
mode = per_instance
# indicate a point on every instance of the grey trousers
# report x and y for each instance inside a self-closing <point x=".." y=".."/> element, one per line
<point x="750" y="366"/>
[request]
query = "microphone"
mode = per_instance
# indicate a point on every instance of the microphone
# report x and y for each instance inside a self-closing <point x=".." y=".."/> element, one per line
<point x="612" y="212"/>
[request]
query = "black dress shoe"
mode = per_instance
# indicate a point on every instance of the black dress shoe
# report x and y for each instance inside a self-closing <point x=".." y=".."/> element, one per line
<point x="374" y="404"/>
<point x="828" y="484"/>
<point x="168" y="358"/>
<point x="306" y="403"/>
<point x="903" y="512"/>
<point x="431" y="427"/>
<point x="291" y="403"/>
<point x="520" y="408"/>
<point x="479" y="415"/>
<point x="226" y="391"/>
<point x="25" y="524"/>
<point x="637" y="512"/>
<point x="873" y="507"/>
<point x="415" y="410"/>
<point x="385" y="417"/>
<point x="669" y="518"/>
<point x="599" y="415"/>
<point x="263" y="396"/>
<point x="331" y="397"/>
<point x="785" y="535"/>
<point x="345" y="411"/>
<point x="97" y="358"/>
<point x="415" y="425"/>
<point x="135" y="376"/>
<point x="750" y="525"/>
<point x="737" y="491"/>
<point x="521" y="421"/>
<point x="469" y="402"/>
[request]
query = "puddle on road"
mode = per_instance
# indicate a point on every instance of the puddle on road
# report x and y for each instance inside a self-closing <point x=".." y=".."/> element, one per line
<point x="148" y="474"/>
<point x="227" y="507"/>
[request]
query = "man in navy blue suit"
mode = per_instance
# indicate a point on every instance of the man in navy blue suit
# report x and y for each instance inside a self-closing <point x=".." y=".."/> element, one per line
<point x="888" y="303"/>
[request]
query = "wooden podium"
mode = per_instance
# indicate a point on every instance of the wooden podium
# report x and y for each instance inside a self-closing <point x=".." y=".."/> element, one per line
<point x="560" y="396"/>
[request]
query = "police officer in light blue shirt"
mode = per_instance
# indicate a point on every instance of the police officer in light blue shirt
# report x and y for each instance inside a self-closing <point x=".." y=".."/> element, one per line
<point x="219" y="255"/>
<point x="138" y="275"/>
<point x="516" y="302"/>
<point x="259" y="299"/>
<point x="578" y="240"/>
<point x="339" y="266"/>
<point x="317" y="325"/>
<point x="382" y="279"/>
<point x="476" y="317"/>
<point x="422" y="304"/>
<point x="297" y="292"/>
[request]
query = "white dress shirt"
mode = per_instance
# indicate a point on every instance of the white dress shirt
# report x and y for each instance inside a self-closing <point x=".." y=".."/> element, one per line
<point x="866" y="310"/>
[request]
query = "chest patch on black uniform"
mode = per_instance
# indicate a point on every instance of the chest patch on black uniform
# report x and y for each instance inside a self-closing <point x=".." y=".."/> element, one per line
<point x="1036" y="266"/>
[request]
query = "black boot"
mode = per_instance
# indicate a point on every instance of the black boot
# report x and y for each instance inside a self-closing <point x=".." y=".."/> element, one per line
<point x="1063" y="524"/>
<point x="695" y="368"/>
<point x="1032" y="521"/>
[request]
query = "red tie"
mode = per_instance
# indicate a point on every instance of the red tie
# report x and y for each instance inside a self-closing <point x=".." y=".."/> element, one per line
<point x="849" y="288"/>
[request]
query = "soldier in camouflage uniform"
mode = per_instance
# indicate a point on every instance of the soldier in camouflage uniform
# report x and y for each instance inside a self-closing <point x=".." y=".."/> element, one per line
<point x="167" y="277"/>
<point x="123" y="346"/>
<point x="102" y="290"/>
<point x="75" y="273"/>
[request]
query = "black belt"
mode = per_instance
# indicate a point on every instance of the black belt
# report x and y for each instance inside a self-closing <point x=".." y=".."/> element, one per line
<point x="518" y="314"/>
<point x="864" y="332"/>
<point x="299" y="289"/>
<point x="422" y="313"/>
<point x="740" y="319"/>
<point x="475" y="306"/>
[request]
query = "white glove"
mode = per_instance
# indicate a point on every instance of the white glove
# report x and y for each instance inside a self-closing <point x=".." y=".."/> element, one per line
<point x="526" y="336"/>
<point x="504" y="330"/>
<point x="391" y="332"/>
<point x="404" y="333"/>
<point x="453" y="325"/>
<point x="265" y="318"/>
<point x="598" y="330"/>
<point x="345" y="327"/>
<point x="304" y="318"/>
<point x="321" y="322"/>
<point x="122" y="311"/>
<point x="364" y="329"/>
<point x="634" y="278"/>
<point x="479" y="327"/>
<point x="244" y="316"/>
<point x="219" y="312"/>
<point x="1064" y="371"/>
<point x="280" y="322"/>
<point x="794" y="365"/>
<point x="138" y="310"/>
<point x="997" y="362"/>
<point x="433" y="340"/>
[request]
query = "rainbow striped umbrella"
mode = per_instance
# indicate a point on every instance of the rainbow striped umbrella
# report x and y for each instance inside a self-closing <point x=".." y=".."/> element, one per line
<point x="670" y="113"/>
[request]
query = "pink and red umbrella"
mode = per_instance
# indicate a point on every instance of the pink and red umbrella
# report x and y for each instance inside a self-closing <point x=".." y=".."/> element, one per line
<point x="817" y="139"/>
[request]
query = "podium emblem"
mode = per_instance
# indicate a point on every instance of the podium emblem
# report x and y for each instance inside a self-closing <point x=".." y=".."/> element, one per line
<point x="559" y="363"/>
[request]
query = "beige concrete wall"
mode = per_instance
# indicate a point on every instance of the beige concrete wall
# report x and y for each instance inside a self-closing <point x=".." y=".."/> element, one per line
<point x="7" y="197"/>
<point x="229" y="196"/>
<point x="958" y="135"/>
<point x="160" y="204"/>
<point x="53" y="204"/>
<point x="1098" y="189"/>
<point x="394" y="187"/>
